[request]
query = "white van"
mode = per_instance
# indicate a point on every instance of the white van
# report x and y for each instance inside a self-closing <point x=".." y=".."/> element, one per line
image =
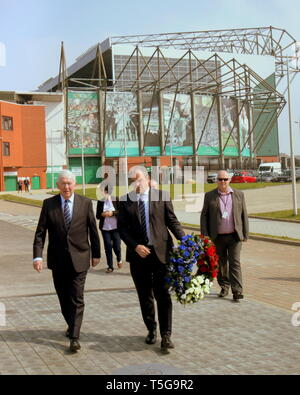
<point x="271" y="167"/>
<point x="269" y="170"/>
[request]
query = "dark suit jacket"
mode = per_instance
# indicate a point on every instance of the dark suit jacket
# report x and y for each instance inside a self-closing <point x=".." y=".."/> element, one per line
<point x="211" y="214"/>
<point x="78" y="241"/>
<point x="161" y="217"/>
<point x="99" y="211"/>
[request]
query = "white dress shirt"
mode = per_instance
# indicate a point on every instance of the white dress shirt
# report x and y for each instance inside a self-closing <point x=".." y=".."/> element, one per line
<point x="145" y="198"/>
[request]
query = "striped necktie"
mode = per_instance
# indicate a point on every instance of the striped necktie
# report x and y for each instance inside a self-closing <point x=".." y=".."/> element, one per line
<point x="67" y="214"/>
<point x="142" y="212"/>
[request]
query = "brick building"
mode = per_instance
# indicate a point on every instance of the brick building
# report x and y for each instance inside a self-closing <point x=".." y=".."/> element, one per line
<point x="23" y="145"/>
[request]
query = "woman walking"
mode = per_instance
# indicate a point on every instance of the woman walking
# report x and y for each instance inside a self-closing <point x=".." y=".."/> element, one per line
<point x="107" y="211"/>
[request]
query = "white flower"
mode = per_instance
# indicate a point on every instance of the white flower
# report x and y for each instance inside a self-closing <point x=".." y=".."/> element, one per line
<point x="198" y="290"/>
<point x="189" y="298"/>
<point x="200" y="279"/>
<point x="206" y="289"/>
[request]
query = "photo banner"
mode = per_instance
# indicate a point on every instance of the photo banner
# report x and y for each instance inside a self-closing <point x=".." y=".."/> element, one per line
<point x="244" y="130"/>
<point x="83" y="124"/>
<point x="120" y="120"/>
<point x="121" y="124"/>
<point x="206" y="115"/>
<point x="151" y="124"/>
<point x="178" y="124"/>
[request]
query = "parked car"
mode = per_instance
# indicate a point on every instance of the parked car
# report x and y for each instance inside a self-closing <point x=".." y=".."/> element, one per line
<point x="243" y="176"/>
<point x="268" y="177"/>
<point x="286" y="176"/>
<point x="212" y="178"/>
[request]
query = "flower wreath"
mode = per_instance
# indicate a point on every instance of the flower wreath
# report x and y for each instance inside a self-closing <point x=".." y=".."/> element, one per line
<point x="193" y="251"/>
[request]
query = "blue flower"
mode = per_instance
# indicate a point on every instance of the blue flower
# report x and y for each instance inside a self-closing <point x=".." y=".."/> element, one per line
<point x="187" y="279"/>
<point x="186" y="254"/>
<point x="180" y="269"/>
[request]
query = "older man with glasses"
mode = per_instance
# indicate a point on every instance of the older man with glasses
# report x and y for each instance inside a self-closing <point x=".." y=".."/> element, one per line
<point x="224" y="219"/>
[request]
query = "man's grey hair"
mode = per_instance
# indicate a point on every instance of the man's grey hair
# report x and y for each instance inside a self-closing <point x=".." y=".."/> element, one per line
<point x="66" y="174"/>
<point x="225" y="172"/>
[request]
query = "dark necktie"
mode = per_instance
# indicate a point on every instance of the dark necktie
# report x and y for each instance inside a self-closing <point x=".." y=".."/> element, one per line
<point x="142" y="212"/>
<point x="67" y="214"/>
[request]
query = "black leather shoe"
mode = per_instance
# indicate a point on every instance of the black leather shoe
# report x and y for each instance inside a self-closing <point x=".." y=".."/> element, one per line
<point x="223" y="293"/>
<point x="237" y="296"/>
<point x="74" y="345"/>
<point x="151" y="337"/>
<point x="166" y="343"/>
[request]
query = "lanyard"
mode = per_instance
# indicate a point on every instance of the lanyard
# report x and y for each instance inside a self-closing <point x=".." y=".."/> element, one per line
<point x="225" y="201"/>
<point x="225" y="214"/>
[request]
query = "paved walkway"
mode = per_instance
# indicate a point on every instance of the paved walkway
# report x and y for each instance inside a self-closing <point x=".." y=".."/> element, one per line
<point x="213" y="336"/>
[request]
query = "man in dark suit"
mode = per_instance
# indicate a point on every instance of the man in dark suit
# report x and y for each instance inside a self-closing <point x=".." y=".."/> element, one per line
<point x="145" y="215"/>
<point x="73" y="240"/>
<point x="224" y="219"/>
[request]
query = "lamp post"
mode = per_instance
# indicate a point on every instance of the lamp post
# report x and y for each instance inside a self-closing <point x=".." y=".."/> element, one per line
<point x="82" y="163"/>
<point x="292" y="157"/>
<point x="52" y="175"/>
<point x="125" y="149"/>
<point x="52" y="172"/>
<point x="171" y="155"/>
<point x="125" y="163"/>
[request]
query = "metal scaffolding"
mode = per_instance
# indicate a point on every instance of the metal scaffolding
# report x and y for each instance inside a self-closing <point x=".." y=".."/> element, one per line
<point x="269" y="40"/>
<point x="156" y="74"/>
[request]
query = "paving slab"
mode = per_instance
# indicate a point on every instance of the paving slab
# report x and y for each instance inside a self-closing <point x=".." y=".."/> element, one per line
<point x="213" y="336"/>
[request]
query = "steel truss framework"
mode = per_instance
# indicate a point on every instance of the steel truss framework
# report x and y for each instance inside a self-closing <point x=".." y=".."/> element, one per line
<point x="268" y="40"/>
<point x="218" y="78"/>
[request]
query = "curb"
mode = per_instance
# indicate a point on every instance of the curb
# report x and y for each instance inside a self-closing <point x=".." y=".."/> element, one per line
<point x="293" y="221"/>
<point x="259" y="238"/>
<point x="277" y="241"/>
<point x="26" y="204"/>
<point x="253" y="237"/>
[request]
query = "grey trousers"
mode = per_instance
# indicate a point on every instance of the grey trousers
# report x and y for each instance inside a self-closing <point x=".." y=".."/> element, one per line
<point x="229" y="251"/>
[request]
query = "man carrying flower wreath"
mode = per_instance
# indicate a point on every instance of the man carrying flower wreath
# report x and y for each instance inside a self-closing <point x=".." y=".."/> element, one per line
<point x="145" y="215"/>
<point x="224" y="219"/>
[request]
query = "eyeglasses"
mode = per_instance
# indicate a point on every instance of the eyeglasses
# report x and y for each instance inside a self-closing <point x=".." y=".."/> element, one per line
<point x="223" y="179"/>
